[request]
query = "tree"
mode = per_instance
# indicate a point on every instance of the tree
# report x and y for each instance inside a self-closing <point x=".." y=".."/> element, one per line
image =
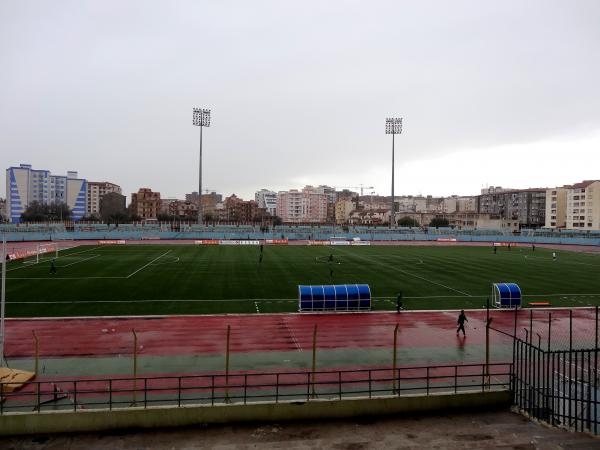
<point x="41" y="212"/>
<point x="118" y="217"/>
<point x="439" y="222"/>
<point x="35" y="212"/>
<point x="407" y="221"/>
<point x="59" y="211"/>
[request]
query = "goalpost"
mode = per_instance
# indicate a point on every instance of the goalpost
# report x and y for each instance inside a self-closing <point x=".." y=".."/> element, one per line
<point x="31" y="254"/>
<point x="63" y="244"/>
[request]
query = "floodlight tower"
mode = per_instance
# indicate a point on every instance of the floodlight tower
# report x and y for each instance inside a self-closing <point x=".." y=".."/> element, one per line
<point x="393" y="126"/>
<point x="201" y="118"/>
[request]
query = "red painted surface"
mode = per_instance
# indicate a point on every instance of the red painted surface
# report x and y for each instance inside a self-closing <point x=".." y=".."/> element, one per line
<point x="184" y="335"/>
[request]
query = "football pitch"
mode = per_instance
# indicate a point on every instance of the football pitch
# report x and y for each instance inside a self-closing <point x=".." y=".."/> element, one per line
<point x="194" y="279"/>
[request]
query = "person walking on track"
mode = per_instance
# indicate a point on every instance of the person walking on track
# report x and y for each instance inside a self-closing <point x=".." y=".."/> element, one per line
<point x="399" y="305"/>
<point x="461" y="322"/>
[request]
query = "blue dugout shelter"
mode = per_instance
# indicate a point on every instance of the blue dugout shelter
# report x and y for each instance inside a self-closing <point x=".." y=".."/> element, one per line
<point x="506" y="295"/>
<point x="339" y="297"/>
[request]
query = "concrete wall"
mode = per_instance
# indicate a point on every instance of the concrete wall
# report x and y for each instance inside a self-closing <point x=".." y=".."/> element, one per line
<point x="97" y="420"/>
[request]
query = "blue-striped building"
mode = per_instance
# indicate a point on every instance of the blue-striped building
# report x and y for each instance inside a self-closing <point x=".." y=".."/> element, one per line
<point x="25" y="185"/>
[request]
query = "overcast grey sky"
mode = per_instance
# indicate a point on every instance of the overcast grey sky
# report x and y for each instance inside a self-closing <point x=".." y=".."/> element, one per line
<point x="501" y="93"/>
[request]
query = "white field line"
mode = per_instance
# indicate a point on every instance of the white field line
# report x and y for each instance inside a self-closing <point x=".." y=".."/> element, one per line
<point x="416" y="276"/>
<point x="81" y="251"/>
<point x="483" y="296"/>
<point x="80" y="261"/>
<point x="146" y="265"/>
<point x="432" y="282"/>
<point x="162" y="263"/>
<point x="268" y="300"/>
<point x="65" y="278"/>
<point x="192" y="300"/>
<point x="558" y="260"/>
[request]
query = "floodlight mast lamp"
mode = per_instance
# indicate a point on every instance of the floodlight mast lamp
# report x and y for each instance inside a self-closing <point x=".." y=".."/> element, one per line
<point x="200" y="118"/>
<point x="393" y="126"/>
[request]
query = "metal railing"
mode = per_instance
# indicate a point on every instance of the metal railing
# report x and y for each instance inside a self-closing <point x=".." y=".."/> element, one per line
<point x="114" y="393"/>
<point x="560" y="387"/>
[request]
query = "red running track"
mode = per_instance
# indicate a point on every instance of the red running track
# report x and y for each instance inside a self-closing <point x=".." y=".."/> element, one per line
<point x="205" y="335"/>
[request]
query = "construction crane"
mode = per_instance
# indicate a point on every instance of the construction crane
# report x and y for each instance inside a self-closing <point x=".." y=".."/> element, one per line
<point x="362" y="187"/>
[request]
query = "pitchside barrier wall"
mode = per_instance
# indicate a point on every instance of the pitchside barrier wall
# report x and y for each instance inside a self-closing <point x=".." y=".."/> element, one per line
<point x="324" y="235"/>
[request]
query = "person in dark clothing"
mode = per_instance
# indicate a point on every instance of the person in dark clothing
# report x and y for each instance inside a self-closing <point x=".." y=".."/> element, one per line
<point x="495" y="249"/>
<point x="260" y="258"/>
<point x="509" y="246"/>
<point x="331" y="257"/>
<point x="331" y="273"/>
<point x="261" y="248"/>
<point x="533" y="247"/>
<point x="52" y="267"/>
<point x="461" y="322"/>
<point x="399" y="305"/>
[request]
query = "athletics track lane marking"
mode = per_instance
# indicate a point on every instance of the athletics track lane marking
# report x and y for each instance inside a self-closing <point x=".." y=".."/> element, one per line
<point x="292" y="335"/>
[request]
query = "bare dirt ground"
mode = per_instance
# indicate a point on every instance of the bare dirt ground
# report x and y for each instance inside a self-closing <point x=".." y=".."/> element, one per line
<point x="479" y="430"/>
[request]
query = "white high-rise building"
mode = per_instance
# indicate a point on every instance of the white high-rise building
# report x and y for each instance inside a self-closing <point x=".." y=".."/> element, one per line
<point x="267" y="199"/>
<point x="25" y="185"/>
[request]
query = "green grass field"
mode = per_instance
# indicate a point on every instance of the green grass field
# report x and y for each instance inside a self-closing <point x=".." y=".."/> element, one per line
<point x="182" y="279"/>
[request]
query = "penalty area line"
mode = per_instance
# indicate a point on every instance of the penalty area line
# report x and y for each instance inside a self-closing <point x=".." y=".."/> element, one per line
<point x="146" y="265"/>
<point x="80" y="261"/>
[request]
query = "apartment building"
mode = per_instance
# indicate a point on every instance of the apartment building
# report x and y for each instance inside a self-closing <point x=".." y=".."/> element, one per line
<point x="556" y="207"/>
<point x="583" y="206"/>
<point x="25" y="185"/>
<point x="527" y="206"/>
<point x="236" y="209"/>
<point x="268" y="200"/>
<point x="96" y="190"/>
<point x="370" y="216"/>
<point x="145" y="203"/>
<point x="183" y="209"/>
<point x="306" y="206"/>
<point x="466" y="204"/>
<point x="343" y="209"/>
<point x="465" y="220"/>
<point x="209" y="200"/>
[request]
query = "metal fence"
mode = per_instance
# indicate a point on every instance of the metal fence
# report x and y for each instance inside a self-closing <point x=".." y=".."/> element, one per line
<point x="76" y="395"/>
<point x="559" y="387"/>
